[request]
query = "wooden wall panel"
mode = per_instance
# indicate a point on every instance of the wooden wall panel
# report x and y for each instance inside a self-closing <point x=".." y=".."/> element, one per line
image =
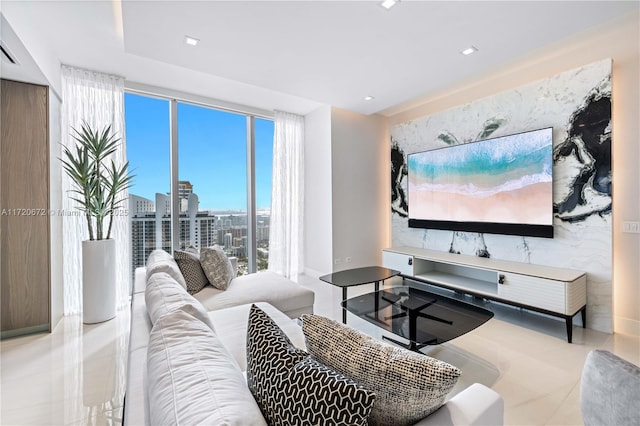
<point x="24" y="208"/>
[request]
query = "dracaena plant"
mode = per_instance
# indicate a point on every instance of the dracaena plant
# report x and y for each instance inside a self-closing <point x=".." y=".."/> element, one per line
<point x="98" y="182"/>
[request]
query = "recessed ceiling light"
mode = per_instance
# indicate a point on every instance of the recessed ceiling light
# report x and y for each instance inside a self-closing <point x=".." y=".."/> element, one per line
<point x="368" y="98"/>
<point x="388" y="4"/>
<point x="191" y="41"/>
<point x="469" y="50"/>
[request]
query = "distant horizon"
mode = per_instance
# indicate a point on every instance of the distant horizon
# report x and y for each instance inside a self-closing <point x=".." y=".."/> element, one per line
<point x="211" y="153"/>
<point x="200" y="209"/>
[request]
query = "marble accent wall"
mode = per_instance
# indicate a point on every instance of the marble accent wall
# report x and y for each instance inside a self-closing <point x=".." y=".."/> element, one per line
<point x="577" y="104"/>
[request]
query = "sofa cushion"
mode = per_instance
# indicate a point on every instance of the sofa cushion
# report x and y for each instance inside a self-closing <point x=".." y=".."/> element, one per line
<point x="289" y="297"/>
<point x="163" y="295"/>
<point x="233" y="321"/>
<point x="189" y="264"/>
<point x="191" y="377"/>
<point x="408" y="385"/>
<point x="161" y="261"/>
<point x="292" y="389"/>
<point x="217" y="267"/>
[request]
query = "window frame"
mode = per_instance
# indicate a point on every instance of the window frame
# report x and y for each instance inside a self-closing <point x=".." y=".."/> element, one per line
<point x="251" y="113"/>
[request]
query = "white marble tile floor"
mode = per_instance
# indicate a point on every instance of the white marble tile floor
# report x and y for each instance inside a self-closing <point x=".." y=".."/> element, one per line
<point x="76" y="375"/>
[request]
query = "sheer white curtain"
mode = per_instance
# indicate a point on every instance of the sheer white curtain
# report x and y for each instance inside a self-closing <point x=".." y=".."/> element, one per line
<point x="287" y="196"/>
<point x="97" y="99"/>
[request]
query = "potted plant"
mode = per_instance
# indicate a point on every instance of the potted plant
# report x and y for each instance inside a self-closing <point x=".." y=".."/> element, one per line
<point x="98" y="184"/>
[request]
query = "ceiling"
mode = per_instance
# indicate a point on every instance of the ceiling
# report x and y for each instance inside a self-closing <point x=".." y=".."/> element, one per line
<point x="297" y="55"/>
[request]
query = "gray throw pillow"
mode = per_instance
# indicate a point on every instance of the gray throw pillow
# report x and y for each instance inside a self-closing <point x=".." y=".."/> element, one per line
<point x="409" y="386"/>
<point x="217" y="267"/>
<point x="189" y="264"/>
<point x="293" y="389"/>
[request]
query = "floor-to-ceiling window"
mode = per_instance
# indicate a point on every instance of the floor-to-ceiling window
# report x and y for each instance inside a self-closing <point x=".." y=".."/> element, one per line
<point x="222" y="165"/>
<point x="147" y="127"/>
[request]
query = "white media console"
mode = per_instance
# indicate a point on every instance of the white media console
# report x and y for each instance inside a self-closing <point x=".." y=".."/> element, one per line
<point x="549" y="290"/>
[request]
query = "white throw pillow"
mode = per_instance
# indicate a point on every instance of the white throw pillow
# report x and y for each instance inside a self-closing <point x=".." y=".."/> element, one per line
<point x="192" y="379"/>
<point x="161" y="261"/>
<point x="163" y="295"/>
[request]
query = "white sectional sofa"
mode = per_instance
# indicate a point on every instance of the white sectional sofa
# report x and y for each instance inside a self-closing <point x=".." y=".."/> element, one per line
<point x="191" y="365"/>
<point x="289" y="297"/>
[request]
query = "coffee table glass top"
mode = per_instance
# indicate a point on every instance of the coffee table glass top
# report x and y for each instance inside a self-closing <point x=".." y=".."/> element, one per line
<point x="358" y="276"/>
<point x="419" y="316"/>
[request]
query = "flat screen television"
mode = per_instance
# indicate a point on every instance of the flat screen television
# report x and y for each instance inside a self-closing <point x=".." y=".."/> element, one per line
<point x="502" y="185"/>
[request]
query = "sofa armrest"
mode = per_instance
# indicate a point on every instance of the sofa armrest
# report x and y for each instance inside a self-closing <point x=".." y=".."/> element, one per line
<point x="140" y="280"/>
<point x="475" y="405"/>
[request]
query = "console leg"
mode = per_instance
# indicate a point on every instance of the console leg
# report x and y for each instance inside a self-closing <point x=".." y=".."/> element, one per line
<point x="583" y="313"/>
<point x="569" y="328"/>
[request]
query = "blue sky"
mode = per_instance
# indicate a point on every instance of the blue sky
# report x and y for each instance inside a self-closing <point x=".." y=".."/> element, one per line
<point x="211" y="152"/>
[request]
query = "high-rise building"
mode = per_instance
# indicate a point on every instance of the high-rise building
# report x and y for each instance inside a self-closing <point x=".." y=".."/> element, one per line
<point x="151" y="227"/>
<point x="185" y="189"/>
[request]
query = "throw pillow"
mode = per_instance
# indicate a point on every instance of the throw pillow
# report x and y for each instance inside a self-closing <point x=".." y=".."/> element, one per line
<point x="409" y="386"/>
<point x="191" y="379"/>
<point x="164" y="295"/>
<point x="189" y="264"/>
<point x="217" y="267"/>
<point x="161" y="261"/>
<point x="293" y="389"/>
<point x="193" y="249"/>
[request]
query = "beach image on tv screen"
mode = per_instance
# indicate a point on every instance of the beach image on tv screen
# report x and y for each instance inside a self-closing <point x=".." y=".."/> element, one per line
<point x="502" y="180"/>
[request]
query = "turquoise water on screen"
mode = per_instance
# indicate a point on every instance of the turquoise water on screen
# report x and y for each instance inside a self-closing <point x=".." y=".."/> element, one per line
<point x="485" y="168"/>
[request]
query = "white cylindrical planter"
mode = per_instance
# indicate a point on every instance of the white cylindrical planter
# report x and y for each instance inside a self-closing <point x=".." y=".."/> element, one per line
<point x="98" y="280"/>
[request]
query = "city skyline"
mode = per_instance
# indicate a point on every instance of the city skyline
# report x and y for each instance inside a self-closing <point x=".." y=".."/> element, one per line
<point x="151" y="229"/>
<point x="211" y="153"/>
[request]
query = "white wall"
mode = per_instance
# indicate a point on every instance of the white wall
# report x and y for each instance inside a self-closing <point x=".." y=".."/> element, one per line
<point x="619" y="40"/>
<point x="34" y="56"/>
<point x="360" y="187"/>
<point x="347" y="173"/>
<point x="317" y="189"/>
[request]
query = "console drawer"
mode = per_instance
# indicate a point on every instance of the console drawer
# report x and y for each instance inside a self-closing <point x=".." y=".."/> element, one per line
<point x="533" y="291"/>
<point x="398" y="261"/>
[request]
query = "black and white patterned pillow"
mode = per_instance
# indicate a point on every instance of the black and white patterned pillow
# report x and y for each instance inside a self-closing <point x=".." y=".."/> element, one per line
<point x="409" y="386"/>
<point x="217" y="267"/>
<point x="189" y="264"/>
<point x="291" y="388"/>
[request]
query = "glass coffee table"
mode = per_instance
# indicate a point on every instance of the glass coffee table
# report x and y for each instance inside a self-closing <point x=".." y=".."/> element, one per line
<point x="421" y="317"/>
<point x="358" y="276"/>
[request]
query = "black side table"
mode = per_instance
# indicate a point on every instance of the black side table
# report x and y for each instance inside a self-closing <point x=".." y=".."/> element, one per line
<point x="358" y="276"/>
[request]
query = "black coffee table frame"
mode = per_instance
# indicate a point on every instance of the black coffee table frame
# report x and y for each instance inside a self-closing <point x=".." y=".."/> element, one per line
<point x="417" y="315"/>
<point x="358" y="276"/>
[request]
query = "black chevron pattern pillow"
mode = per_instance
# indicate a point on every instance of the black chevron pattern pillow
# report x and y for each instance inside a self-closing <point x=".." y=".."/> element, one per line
<point x="293" y="389"/>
